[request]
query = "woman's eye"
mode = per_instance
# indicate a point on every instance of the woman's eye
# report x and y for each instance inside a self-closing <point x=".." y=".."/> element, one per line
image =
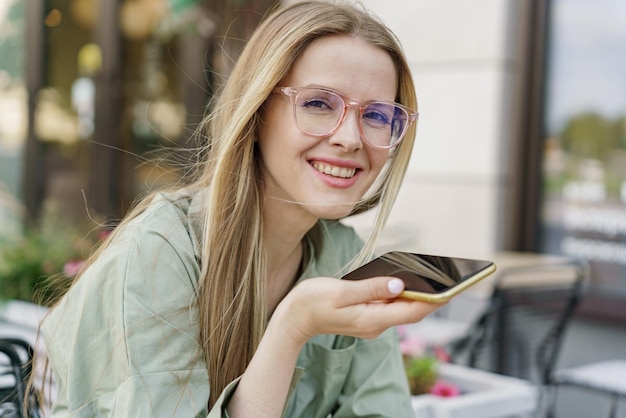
<point x="317" y="104"/>
<point x="376" y="117"/>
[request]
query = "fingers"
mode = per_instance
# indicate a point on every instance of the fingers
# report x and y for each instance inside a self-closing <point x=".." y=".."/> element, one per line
<point x="366" y="317"/>
<point x="368" y="320"/>
<point x="357" y="308"/>
<point x="400" y="312"/>
<point x="369" y="290"/>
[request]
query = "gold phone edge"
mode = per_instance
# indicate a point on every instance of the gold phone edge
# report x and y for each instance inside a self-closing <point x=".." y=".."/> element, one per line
<point x="449" y="294"/>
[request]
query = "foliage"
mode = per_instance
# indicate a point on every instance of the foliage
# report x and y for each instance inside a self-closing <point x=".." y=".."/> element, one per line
<point x="421" y="373"/>
<point x="38" y="265"/>
<point x="589" y="136"/>
<point x="422" y="366"/>
<point x="590" y="148"/>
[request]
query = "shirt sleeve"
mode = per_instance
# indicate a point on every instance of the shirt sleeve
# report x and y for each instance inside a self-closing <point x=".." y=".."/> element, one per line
<point x="219" y="409"/>
<point x="124" y="341"/>
<point x="376" y="385"/>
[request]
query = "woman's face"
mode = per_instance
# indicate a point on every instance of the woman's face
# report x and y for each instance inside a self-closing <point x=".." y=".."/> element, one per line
<point x="324" y="177"/>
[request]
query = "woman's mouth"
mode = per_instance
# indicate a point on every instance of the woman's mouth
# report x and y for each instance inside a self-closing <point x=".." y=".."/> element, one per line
<point x="332" y="170"/>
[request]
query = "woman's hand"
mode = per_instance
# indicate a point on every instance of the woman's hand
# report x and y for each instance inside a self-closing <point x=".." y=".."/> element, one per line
<point x="361" y="308"/>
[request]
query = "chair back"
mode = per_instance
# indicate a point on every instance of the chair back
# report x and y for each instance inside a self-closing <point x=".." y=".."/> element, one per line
<point x="521" y="331"/>
<point x="15" y="366"/>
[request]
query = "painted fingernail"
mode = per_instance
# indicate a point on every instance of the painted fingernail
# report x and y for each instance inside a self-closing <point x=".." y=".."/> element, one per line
<point x="395" y="286"/>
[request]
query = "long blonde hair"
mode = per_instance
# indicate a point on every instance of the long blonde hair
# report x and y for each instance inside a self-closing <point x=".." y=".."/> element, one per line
<point x="231" y="289"/>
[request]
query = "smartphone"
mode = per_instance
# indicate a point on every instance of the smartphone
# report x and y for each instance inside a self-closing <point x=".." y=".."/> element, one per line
<point x="430" y="278"/>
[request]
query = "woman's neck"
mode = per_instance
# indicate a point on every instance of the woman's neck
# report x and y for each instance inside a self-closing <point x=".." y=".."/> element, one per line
<point x="283" y="231"/>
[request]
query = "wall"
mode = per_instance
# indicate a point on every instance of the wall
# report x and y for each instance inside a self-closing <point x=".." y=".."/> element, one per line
<point x="467" y="61"/>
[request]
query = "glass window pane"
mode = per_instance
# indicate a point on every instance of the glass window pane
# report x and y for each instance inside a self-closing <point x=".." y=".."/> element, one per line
<point x="584" y="171"/>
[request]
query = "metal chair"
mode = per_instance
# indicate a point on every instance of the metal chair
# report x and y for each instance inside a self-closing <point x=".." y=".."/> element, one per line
<point x="520" y="332"/>
<point x="15" y="366"/>
<point x="608" y="377"/>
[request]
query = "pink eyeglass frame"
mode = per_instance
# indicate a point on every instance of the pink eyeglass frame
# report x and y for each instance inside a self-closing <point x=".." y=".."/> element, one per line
<point x="292" y="93"/>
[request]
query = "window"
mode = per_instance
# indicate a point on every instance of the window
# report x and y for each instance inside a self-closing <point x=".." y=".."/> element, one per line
<point x="583" y="209"/>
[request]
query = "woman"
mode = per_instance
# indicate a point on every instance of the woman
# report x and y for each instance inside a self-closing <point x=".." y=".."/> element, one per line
<point x="221" y="297"/>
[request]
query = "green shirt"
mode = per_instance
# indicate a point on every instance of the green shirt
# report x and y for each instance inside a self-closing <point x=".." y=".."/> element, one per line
<point x="124" y="340"/>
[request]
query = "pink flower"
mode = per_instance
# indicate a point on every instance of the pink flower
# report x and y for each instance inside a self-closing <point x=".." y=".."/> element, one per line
<point x="402" y="331"/>
<point x="445" y="389"/>
<point x="71" y="268"/>
<point x="103" y="234"/>
<point x="442" y="355"/>
<point x="412" y="346"/>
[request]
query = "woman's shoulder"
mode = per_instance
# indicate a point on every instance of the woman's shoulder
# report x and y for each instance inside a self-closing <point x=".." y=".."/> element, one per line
<point x="147" y="270"/>
<point x="166" y="216"/>
<point x="153" y="249"/>
<point x="162" y="209"/>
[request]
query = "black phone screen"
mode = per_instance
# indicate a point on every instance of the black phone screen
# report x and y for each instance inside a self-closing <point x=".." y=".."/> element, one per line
<point x="421" y="272"/>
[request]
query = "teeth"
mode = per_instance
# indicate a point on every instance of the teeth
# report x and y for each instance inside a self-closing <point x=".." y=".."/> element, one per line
<point x="334" y="171"/>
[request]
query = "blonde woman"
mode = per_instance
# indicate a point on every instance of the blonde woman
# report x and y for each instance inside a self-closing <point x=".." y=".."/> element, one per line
<point x="222" y="298"/>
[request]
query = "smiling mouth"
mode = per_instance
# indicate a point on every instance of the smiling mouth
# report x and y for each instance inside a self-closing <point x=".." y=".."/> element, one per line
<point x="331" y="170"/>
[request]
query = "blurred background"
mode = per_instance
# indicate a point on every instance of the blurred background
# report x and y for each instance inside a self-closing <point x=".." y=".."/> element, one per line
<point x="521" y="140"/>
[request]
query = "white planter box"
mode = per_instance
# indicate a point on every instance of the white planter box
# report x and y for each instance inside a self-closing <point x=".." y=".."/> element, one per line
<point x="20" y="319"/>
<point x="484" y="395"/>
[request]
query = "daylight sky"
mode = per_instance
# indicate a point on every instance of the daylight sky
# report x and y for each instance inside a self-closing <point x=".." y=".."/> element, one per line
<point x="587" y="61"/>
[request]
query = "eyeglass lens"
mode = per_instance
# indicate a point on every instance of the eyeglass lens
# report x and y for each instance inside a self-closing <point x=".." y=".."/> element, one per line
<point x="319" y="112"/>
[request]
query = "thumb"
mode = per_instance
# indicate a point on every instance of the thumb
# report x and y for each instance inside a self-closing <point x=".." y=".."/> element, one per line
<point x="372" y="289"/>
<point x="395" y="286"/>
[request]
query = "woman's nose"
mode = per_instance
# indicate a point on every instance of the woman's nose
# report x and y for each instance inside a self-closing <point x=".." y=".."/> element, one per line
<point x="348" y="134"/>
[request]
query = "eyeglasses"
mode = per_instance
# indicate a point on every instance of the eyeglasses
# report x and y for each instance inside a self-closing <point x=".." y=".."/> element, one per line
<point x="319" y="112"/>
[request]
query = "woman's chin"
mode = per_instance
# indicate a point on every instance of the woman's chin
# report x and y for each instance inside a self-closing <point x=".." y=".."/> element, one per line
<point x="333" y="212"/>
